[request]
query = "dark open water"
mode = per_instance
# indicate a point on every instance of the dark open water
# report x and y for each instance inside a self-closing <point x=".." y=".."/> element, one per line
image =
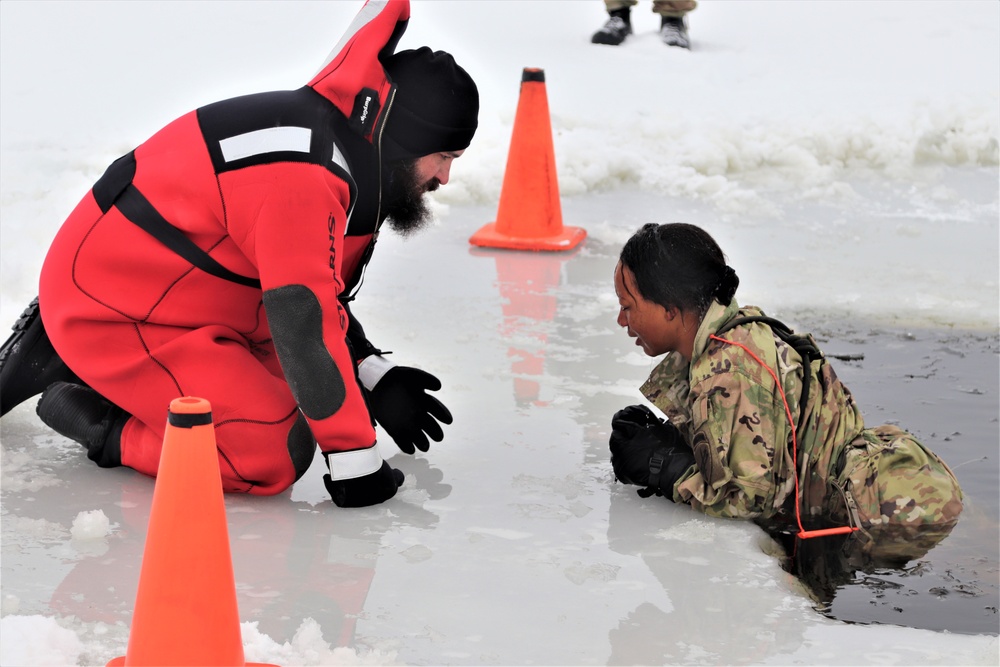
<point x="943" y="387"/>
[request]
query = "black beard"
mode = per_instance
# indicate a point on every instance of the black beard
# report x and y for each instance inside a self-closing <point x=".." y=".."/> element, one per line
<point x="405" y="207"/>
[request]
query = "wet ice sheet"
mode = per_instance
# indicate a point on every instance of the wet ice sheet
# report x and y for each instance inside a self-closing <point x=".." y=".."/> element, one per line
<point x="857" y="174"/>
<point x="509" y="542"/>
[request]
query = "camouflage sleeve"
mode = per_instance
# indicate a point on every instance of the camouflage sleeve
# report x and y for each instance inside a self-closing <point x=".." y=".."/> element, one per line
<point x="735" y="425"/>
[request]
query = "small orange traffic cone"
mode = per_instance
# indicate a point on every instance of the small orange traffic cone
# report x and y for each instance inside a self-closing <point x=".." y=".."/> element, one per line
<point x="185" y="608"/>
<point x="529" y="216"/>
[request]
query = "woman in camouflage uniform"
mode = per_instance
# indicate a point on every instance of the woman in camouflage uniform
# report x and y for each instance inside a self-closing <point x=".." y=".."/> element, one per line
<point x="755" y="417"/>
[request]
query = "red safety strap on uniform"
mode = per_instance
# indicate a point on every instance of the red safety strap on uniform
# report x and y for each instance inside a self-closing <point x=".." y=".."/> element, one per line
<point x="803" y="533"/>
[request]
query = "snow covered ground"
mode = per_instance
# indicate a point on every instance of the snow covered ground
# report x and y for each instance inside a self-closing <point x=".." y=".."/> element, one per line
<point x="844" y="154"/>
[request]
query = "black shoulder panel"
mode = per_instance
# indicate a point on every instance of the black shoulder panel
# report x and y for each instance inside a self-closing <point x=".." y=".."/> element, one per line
<point x="281" y="126"/>
<point x="295" y="126"/>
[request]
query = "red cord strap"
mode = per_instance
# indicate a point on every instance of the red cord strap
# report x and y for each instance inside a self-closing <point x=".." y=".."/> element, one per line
<point x="803" y="533"/>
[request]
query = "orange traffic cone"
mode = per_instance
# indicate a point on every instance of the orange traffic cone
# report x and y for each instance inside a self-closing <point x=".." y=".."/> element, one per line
<point x="529" y="216"/>
<point x="185" y="608"/>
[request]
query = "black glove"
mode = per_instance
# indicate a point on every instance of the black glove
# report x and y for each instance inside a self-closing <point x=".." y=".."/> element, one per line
<point x="627" y="422"/>
<point x="401" y="404"/>
<point x="647" y="452"/>
<point x="371" y="489"/>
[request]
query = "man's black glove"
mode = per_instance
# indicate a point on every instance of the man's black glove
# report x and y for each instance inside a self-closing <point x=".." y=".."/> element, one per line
<point x="371" y="489"/>
<point x="647" y="451"/>
<point x="401" y="405"/>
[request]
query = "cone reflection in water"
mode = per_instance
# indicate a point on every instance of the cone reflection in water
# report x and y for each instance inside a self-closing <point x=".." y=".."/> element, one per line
<point x="185" y="610"/>
<point x="529" y="216"/>
<point x="527" y="284"/>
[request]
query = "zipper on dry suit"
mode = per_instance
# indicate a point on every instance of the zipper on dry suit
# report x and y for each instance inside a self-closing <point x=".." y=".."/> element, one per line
<point x="377" y="141"/>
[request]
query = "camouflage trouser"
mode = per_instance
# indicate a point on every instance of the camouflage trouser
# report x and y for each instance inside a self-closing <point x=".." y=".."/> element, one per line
<point x="888" y="478"/>
<point x="661" y="7"/>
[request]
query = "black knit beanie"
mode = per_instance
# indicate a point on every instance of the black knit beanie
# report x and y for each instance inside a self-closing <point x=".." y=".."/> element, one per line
<point x="436" y="107"/>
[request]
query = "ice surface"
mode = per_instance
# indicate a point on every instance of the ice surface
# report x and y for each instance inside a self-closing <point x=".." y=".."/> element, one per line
<point x="844" y="155"/>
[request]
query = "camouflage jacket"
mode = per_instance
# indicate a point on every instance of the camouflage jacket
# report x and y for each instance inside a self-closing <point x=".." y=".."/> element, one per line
<point x="733" y="415"/>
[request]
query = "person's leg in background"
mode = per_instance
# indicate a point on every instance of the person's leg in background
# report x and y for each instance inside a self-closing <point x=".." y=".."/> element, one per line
<point x="673" y="21"/>
<point x="619" y="24"/>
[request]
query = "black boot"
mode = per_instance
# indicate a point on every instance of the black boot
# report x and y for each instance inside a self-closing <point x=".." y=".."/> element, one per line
<point x="84" y="416"/>
<point x="28" y="363"/>
<point x="616" y="29"/>
<point x="673" y="32"/>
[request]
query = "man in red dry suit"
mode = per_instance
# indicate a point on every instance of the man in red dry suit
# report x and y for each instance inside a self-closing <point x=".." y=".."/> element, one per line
<point x="218" y="259"/>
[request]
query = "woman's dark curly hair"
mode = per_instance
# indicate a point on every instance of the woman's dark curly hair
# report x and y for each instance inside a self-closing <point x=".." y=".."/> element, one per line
<point x="678" y="265"/>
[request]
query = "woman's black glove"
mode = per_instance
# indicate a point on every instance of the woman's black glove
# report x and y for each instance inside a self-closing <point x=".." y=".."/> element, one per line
<point x="371" y="489"/>
<point x="647" y="451"/>
<point x="637" y="415"/>
<point x="401" y="405"/>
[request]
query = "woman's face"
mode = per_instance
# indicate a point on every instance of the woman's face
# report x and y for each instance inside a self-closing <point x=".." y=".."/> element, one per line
<point x="653" y="326"/>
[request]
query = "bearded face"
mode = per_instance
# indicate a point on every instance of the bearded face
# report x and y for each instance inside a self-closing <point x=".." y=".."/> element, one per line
<point x="406" y="208"/>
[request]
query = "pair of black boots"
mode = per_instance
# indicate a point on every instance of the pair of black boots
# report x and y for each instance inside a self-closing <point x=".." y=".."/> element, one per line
<point x="673" y="30"/>
<point x="29" y="366"/>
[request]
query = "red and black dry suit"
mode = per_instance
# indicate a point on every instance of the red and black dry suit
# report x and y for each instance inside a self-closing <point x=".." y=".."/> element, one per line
<point x="268" y="208"/>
